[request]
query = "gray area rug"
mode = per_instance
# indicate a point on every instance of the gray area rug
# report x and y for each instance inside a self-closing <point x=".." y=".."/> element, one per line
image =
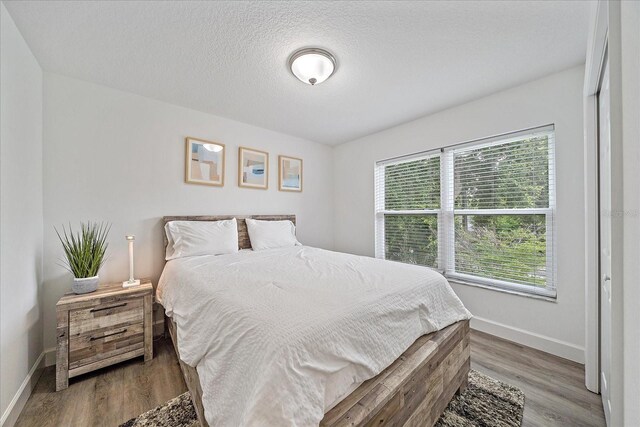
<point x="485" y="403"/>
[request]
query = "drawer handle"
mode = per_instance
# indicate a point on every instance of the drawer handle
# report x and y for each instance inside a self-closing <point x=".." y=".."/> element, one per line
<point x="93" y="310"/>
<point x="108" y="335"/>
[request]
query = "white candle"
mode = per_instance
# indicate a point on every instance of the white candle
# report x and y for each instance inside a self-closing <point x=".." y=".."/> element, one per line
<point x="130" y="239"/>
<point x="131" y="281"/>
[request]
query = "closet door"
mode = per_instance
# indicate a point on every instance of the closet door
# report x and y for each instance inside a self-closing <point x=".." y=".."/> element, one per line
<point x="604" y="165"/>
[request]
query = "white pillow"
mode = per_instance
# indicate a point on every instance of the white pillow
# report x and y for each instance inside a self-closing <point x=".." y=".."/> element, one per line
<point x="191" y="238"/>
<point x="271" y="234"/>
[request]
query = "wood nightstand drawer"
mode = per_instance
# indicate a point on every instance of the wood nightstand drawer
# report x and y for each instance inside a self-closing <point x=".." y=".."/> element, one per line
<point x="105" y="315"/>
<point x="104" y="343"/>
<point x="108" y="326"/>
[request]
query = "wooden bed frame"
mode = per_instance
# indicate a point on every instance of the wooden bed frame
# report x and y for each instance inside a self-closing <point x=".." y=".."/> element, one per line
<point x="413" y="391"/>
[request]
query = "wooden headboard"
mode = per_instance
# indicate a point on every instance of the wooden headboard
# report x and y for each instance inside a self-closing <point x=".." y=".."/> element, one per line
<point x="243" y="235"/>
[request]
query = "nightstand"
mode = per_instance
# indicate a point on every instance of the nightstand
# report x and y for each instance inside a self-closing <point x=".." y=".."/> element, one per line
<point x="101" y="328"/>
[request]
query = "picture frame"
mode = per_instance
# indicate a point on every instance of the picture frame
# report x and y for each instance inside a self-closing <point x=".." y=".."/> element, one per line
<point x="253" y="168"/>
<point x="289" y="173"/>
<point x="204" y="162"/>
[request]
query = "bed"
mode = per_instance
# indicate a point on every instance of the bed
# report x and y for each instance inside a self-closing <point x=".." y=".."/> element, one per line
<point x="253" y="351"/>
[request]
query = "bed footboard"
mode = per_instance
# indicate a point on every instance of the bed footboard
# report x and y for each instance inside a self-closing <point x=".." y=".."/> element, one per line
<point x="413" y="391"/>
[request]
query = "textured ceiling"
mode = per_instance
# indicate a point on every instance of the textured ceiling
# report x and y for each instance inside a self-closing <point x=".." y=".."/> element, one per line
<point x="396" y="60"/>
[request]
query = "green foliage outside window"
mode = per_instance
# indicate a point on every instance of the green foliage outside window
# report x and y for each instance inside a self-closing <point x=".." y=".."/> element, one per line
<point x="503" y="247"/>
<point x="411" y="186"/>
<point x="510" y="247"/>
<point x="401" y="243"/>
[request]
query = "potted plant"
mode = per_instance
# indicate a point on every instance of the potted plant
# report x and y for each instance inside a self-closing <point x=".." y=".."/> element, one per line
<point x="84" y="254"/>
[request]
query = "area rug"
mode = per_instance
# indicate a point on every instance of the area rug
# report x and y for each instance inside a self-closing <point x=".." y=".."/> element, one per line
<point x="485" y="403"/>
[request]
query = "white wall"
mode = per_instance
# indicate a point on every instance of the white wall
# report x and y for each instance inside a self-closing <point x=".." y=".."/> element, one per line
<point x="119" y="157"/>
<point x="556" y="327"/>
<point x="20" y="218"/>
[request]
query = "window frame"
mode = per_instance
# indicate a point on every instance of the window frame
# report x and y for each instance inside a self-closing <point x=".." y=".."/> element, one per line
<point x="446" y="259"/>
<point x="381" y="212"/>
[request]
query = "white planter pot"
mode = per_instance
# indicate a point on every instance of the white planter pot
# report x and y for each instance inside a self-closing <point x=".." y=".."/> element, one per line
<point x="85" y="285"/>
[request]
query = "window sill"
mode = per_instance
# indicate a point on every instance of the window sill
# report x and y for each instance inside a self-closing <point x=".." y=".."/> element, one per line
<point x="507" y="291"/>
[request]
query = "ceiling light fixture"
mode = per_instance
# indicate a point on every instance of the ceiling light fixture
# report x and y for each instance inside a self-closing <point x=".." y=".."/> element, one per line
<point x="312" y="65"/>
<point x="213" y="147"/>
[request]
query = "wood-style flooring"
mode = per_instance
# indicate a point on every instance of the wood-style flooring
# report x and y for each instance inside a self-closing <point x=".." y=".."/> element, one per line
<point x="107" y="397"/>
<point x="554" y="388"/>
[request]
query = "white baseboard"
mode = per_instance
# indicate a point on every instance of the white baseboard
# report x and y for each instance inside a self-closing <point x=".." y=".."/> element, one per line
<point x="530" y="339"/>
<point x="50" y="356"/>
<point x="16" y="405"/>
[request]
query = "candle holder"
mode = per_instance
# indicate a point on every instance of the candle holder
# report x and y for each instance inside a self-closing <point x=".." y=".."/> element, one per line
<point x="131" y="281"/>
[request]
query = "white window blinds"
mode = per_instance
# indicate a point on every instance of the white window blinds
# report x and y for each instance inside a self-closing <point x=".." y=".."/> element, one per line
<point x="407" y="209"/>
<point x="481" y="212"/>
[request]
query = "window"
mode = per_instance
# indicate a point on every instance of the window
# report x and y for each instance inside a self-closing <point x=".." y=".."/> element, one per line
<point x="480" y="212"/>
<point x="409" y="207"/>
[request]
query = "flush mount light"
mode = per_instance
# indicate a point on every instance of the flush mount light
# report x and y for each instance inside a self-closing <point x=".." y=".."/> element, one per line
<point x="312" y="65"/>
<point x="212" y="147"/>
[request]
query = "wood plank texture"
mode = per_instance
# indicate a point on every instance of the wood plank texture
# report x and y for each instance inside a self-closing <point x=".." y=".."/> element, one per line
<point x="554" y="388"/>
<point x="103" y="294"/>
<point x="62" y="349"/>
<point x="397" y="396"/>
<point x="108" y="360"/>
<point x="148" y="327"/>
<point x="415" y="389"/>
<point x="88" y="348"/>
<point x="107" y="397"/>
<point x="102" y="328"/>
<point x="243" y="235"/>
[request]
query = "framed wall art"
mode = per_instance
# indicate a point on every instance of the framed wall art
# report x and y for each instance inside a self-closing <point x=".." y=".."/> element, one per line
<point x="289" y="173"/>
<point x="253" y="168"/>
<point x="204" y="162"/>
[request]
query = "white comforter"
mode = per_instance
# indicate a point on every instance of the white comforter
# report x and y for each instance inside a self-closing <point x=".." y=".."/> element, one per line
<point x="275" y="334"/>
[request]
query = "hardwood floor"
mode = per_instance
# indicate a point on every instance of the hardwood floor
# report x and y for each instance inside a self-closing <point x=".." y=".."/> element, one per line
<point x="554" y="388"/>
<point x="107" y="397"/>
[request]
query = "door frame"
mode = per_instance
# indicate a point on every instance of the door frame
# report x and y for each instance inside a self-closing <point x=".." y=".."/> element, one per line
<point x="596" y="55"/>
<point x="607" y="34"/>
